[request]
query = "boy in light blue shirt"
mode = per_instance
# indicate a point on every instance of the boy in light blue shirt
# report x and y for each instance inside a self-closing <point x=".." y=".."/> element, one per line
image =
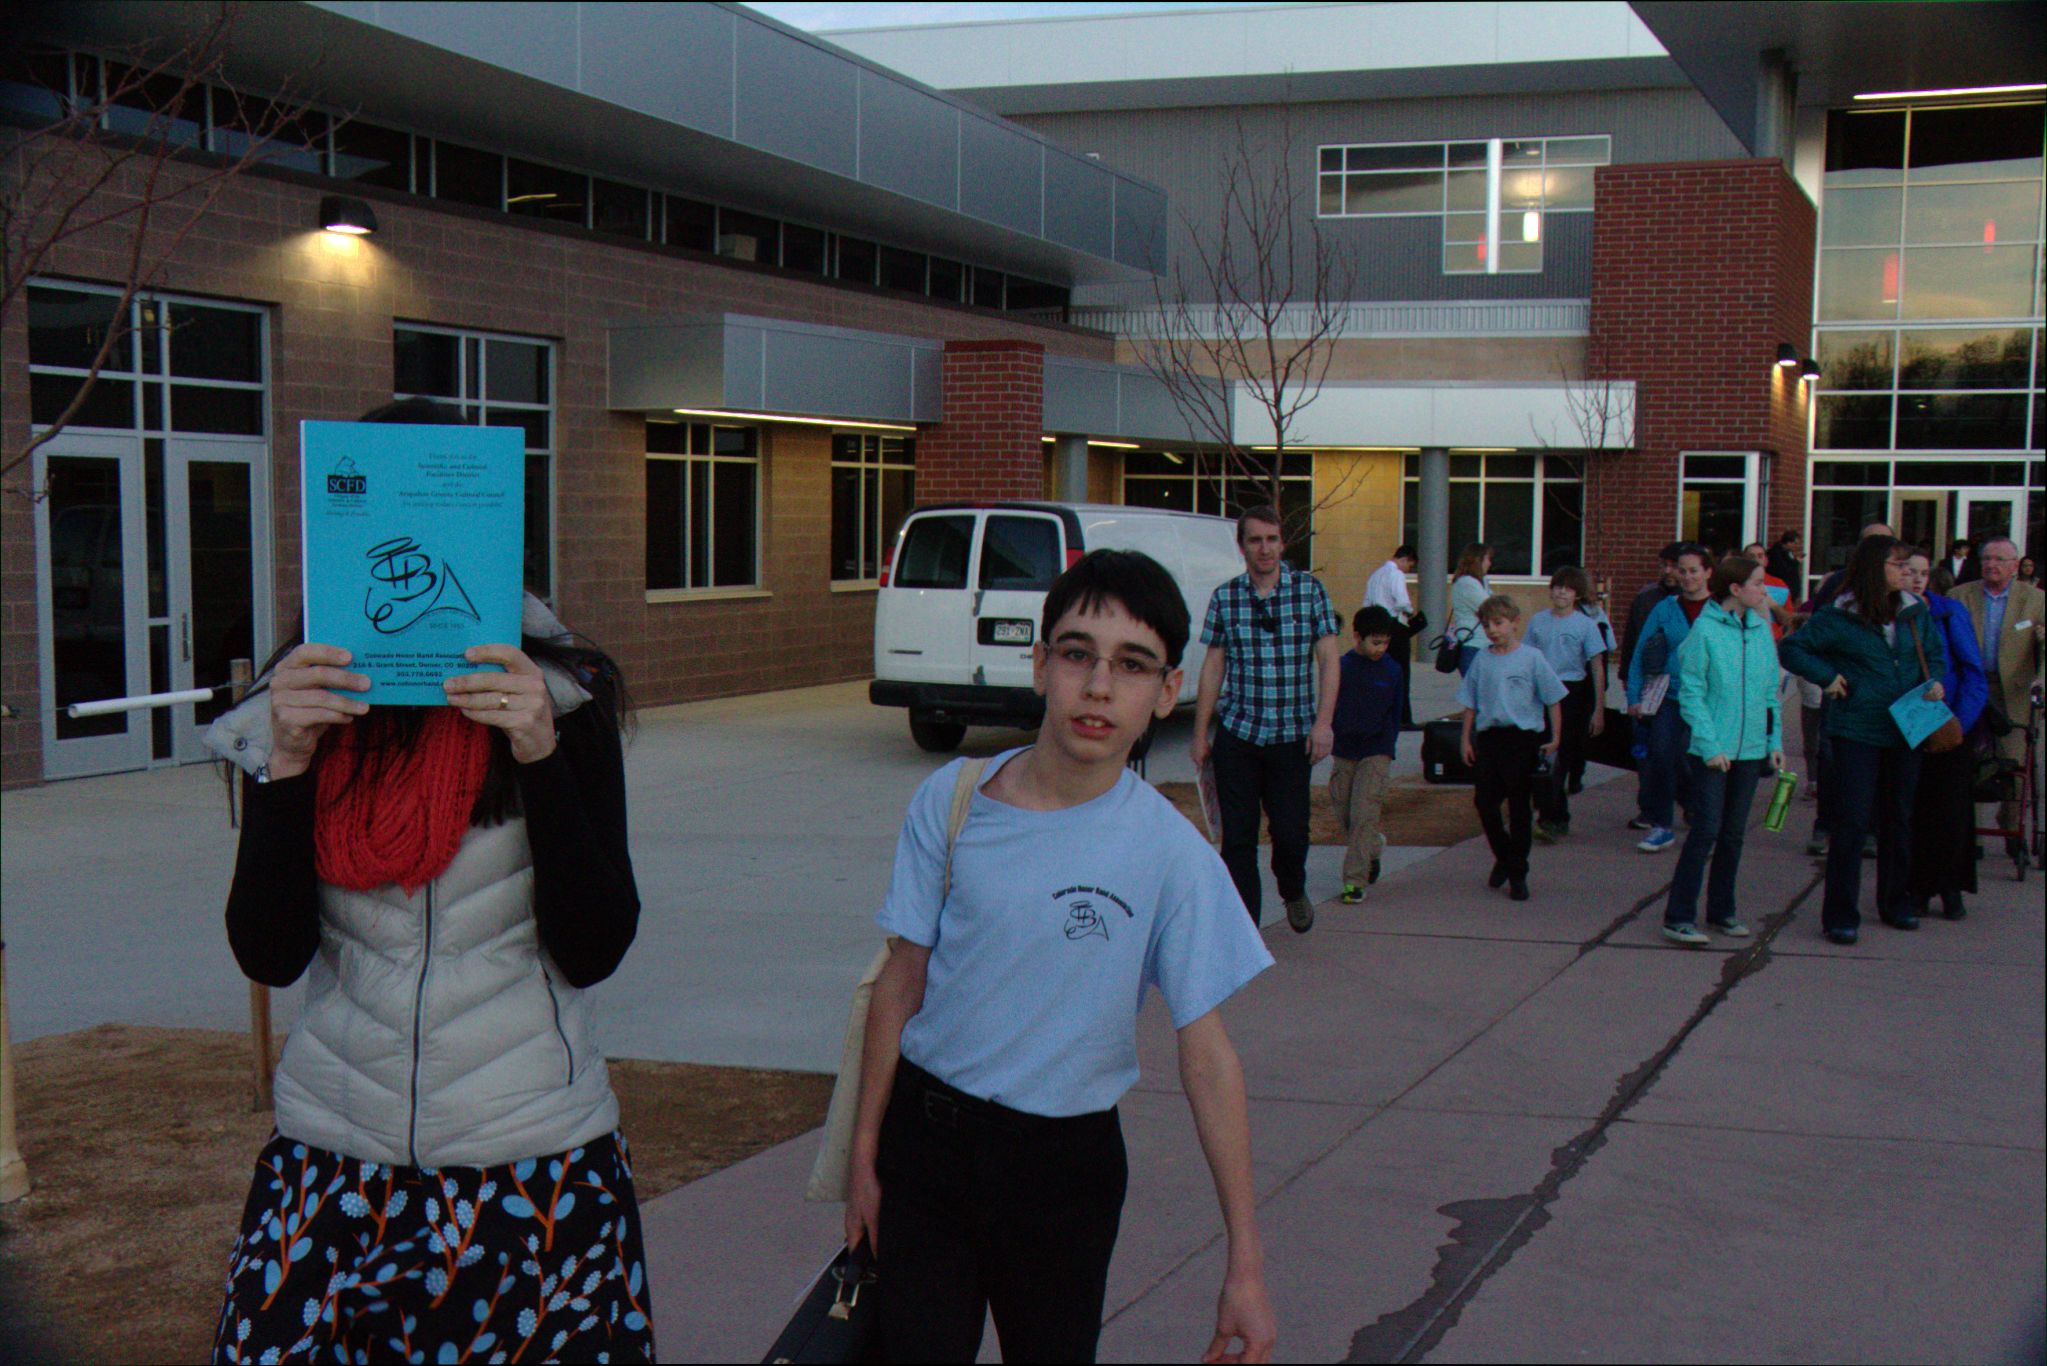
<point x="1505" y="695"/>
<point x="987" y="1164"/>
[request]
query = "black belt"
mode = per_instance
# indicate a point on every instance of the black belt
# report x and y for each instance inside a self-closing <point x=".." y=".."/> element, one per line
<point x="948" y="1107"/>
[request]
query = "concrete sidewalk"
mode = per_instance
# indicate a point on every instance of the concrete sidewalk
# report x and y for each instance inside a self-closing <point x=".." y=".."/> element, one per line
<point x="1489" y="1131"/>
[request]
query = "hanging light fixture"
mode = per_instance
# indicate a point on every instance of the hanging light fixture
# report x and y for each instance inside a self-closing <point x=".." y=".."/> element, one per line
<point x="1810" y="370"/>
<point x="1787" y="355"/>
<point x="339" y="213"/>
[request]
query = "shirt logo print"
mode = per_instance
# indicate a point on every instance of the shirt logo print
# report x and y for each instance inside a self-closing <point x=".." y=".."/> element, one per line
<point x="1084" y="918"/>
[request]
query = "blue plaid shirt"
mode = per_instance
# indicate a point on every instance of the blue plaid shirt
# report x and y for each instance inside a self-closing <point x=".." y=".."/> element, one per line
<point x="1268" y="694"/>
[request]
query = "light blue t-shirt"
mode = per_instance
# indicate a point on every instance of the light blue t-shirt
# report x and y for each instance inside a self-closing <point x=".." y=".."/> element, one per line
<point x="1056" y="923"/>
<point x="1510" y="689"/>
<point x="1570" y="643"/>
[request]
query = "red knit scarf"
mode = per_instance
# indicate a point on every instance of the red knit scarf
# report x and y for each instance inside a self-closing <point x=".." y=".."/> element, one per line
<point x="402" y="819"/>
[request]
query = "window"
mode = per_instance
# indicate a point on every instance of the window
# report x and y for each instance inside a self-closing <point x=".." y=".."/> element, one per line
<point x="370" y="155"/>
<point x="175" y="366"/>
<point x="536" y="191"/>
<point x="1206" y="482"/>
<point x="749" y="237"/>
<point x="466" y="175"/>
<point x="935" y="552"/>
<point x="1927" y="388"/>
<point x="1719" y="500"/>
<point x="1493" y="196"/>
<point x="857" y="260"/>
<point x="703" y="499"/>
<point x="874" y="481"/>
<point x="497" y="381"/>
<point x="1530" y="508"/>
<point x="1020" y="554"/>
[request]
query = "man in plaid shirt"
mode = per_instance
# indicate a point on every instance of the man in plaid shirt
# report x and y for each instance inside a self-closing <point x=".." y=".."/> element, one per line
<point x="1270" y="678"/>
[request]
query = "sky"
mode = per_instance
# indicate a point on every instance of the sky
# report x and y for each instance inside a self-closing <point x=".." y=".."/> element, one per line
<point x="836" y="14"/>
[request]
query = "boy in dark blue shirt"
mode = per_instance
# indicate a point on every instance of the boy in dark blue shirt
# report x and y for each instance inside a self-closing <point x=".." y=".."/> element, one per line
<point x="1367" y="727"/>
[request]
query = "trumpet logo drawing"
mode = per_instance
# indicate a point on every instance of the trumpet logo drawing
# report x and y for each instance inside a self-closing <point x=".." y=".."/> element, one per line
<point x="407" y="586"/>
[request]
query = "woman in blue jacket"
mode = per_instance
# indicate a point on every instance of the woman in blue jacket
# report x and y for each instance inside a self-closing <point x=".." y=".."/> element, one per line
<point x="1864" y="649"/>
<point x="1663" y="776"/>
<point x="1727" y="683"/>
<point x="1944" y="813"/>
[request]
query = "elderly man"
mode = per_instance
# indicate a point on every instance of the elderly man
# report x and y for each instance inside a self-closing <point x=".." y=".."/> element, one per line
<point x="2011" y="621"/>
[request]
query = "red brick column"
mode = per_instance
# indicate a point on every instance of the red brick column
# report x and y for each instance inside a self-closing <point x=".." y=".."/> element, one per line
<point x="1699" y="270"/>
<point x="990" y="443"/>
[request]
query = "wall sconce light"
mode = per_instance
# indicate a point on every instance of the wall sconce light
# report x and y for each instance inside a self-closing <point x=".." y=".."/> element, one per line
<point x="1531" y="226"/>
<point x="1809" y="371"/>
<point x="339" y="213"/>
<point x="1787" y="355"/>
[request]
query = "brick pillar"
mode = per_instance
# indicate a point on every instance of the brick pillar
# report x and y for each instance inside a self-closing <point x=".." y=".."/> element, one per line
<point x="1699" y="270"/>
<point x="989" y="445"/>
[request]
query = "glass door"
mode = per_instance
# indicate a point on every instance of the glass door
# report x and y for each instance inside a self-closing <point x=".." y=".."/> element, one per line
<point x="219" y="574"/>
<point x="90" y="602"/>
<point x="1983" y="513"/>
<point x="1920" y="518"/>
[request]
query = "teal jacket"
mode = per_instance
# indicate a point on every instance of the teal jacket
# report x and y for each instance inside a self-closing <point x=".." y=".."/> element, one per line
<point x="1838" y="641"/>
<point x="1663" y="635"/>
<point x="1727" y="685"/>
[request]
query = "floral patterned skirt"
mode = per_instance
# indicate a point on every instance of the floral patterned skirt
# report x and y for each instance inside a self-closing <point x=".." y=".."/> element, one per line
<point x="341" y="1260"/>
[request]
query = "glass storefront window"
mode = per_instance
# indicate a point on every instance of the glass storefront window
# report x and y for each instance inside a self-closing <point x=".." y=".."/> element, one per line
<point x="1865" y="148"/>
<point x="1856" y="360"/>
<point x="1862" y="218"/>
<point x="1964" y="358"/>
<point x="1854" y="422"/>
<point x="1976" y="215"/>
<point x="1961" y="421"/>
<point x="1970" y="282"/>
<point x="1859" y="284"/>
<point x="1995" y="142"/>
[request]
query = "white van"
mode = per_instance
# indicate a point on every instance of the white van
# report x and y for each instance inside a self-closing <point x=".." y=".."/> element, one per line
<point x="962" y="595"/>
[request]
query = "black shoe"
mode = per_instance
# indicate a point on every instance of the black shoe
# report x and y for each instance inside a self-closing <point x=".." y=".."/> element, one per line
<point x="1575" y="786"/>
<point x="1842" y="937"/>
<point x="1373" y="875"/>
<point x="1902" y="921"/>
<point x="1499" y="876"/>
<point x="1517" y="889"/>
<point x="1951" y="907"/>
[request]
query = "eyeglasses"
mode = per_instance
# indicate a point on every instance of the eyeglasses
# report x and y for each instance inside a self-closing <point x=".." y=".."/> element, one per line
<point x="1122" y="668"/>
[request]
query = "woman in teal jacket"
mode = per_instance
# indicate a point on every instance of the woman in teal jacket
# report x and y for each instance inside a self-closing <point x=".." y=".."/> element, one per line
<point x="1727" y="689"/>
<point x="1862" y="650"/>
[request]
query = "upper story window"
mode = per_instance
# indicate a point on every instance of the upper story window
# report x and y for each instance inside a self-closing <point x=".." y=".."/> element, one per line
<point x="1493" y="196"/>
<point x="874" y="486"/>
<point x="174" y="365"/>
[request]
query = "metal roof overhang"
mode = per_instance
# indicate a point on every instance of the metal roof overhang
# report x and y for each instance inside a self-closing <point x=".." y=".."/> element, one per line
<point x="1842" y="50"/>
<point x="770" y="367"/>
<point x="706" y="99"/>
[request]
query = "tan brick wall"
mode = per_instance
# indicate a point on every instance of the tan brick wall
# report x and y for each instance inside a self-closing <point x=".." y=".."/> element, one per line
<point x="333" y="303"/>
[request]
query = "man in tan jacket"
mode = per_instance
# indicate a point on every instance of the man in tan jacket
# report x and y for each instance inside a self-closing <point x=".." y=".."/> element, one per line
<point x="2011" y="622"/>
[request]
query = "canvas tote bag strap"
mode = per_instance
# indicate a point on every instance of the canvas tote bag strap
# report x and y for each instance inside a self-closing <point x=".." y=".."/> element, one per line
<point x="962" y="798"/>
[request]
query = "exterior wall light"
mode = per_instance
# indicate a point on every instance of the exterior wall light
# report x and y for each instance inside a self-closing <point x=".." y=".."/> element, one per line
<point x="1531" y="226"/>
<point x="1809" y="371"/>
<point x="339" y="213"/>
<point x="1787" y="355"/>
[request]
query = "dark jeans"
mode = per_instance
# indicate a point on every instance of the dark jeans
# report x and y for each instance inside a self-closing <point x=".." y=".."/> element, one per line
<point x="1465" y="654"/>
<point x="1249" y="777"/>
<point x="1870" y="786"/>
<point x="1664" y="781"/>
<point x="1720" y="807"/>
<point x="1505" y="772"/>
<point x="1944" y="825"/>
<point x="985" y="1209"/>
<point x="1577" y="707"/>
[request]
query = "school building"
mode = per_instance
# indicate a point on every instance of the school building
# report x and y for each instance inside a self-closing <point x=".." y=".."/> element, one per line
<point x="751" y="293"/>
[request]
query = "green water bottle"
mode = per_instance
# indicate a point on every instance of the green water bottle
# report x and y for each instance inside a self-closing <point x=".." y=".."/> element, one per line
<point x="1780" y="802"/>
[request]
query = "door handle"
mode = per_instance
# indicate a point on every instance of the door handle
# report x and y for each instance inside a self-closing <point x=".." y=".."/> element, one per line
<point x="979" y="593"/>
<point x="185" y="637"/>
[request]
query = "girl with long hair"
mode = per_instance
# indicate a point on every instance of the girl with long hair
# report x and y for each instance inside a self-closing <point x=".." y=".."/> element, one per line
<point x="447" y="1179"/>
<point x="1468" y="592"/>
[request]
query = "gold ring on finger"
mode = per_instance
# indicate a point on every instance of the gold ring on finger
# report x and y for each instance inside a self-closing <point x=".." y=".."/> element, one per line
<point x="503" y="702"/>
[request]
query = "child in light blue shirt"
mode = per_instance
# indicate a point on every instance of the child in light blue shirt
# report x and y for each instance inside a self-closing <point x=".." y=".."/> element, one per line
<point x="1505" y="696"/>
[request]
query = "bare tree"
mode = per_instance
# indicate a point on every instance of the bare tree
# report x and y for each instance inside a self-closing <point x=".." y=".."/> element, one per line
<point x="1599" y="414"/>
<point x="122" y="159"/>
<point x="1256" y="304"/>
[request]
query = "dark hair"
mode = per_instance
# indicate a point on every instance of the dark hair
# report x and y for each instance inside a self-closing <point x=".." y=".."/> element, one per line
<point x="1789" y="536"/>
<point x="1130" y="577"/>
<point x="1403" y="552"/>
<point x="386" y="731"/>
<point x="1264" y="512"/>
<point x="1731" y="573"/>
<point x="1578" y="581"/>
<point x="1876" y="602"/>
<point x="1941" y="580"/>
<point x="1694" y="549"/>
<point x="1670" y="552"/>
<point x="1499" y="606"/>
<point x="1960" y="547"/>
<point x="1372" y="621"/>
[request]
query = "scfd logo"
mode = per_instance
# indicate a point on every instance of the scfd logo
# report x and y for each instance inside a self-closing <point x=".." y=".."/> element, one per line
<point x="346" y="478"/>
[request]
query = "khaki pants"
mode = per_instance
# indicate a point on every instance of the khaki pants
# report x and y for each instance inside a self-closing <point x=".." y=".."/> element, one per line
<point x="1357" y="790"/>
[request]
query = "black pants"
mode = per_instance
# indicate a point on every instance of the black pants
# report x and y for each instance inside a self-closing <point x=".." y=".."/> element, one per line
<point x="1505" y="773"/>
<point x="1273" y="777"/>
<point x="1577" y="709"/>
<point x="986" y="1209"/>
<point x="1944" y="824"/>
<point x="1872" y="787"/>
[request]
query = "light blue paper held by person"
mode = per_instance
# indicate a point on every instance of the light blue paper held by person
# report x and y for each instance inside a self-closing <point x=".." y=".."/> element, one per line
<point x="414" y="546"/>
<point x="1918" y="716"/>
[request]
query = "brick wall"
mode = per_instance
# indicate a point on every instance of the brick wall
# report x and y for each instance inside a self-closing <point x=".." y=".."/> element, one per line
<point x="991" y="443"/>
<point x="1699" y="270"/>
<point x="332" y="303"/>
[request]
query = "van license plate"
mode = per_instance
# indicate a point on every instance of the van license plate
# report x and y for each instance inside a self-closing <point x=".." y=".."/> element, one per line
<point x="1012" y="632"/>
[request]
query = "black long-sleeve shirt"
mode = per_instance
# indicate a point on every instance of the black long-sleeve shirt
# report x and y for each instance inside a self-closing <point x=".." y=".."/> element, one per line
<point x="585" y="901"/>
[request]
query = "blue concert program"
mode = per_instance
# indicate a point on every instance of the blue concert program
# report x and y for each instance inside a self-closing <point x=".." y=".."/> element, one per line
<point x="413" y="548"/>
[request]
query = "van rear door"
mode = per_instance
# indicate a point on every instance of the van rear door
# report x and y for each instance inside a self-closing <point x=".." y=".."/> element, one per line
<point x="1021" y="553"/>
<point x="924" y="618"/>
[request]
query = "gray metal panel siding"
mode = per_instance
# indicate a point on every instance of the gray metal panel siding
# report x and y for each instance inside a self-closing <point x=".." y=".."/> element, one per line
<point x="670" y="61"/>
<point x="1079" y="201"/>
<point x="836" y="376"/>
<point x="537" y="40"/>
<point x="675" y="366"/>
<point x="1183" y="149"/>
<point x="1141" y="236"/>
<point x="1000" y="175"/>
<point x="927" y="384"/>
<point x="796" y="101"/>
<point x="1148" y="411"/>
<point x="1080" y="398"/>
<point x="909" y="142"/>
